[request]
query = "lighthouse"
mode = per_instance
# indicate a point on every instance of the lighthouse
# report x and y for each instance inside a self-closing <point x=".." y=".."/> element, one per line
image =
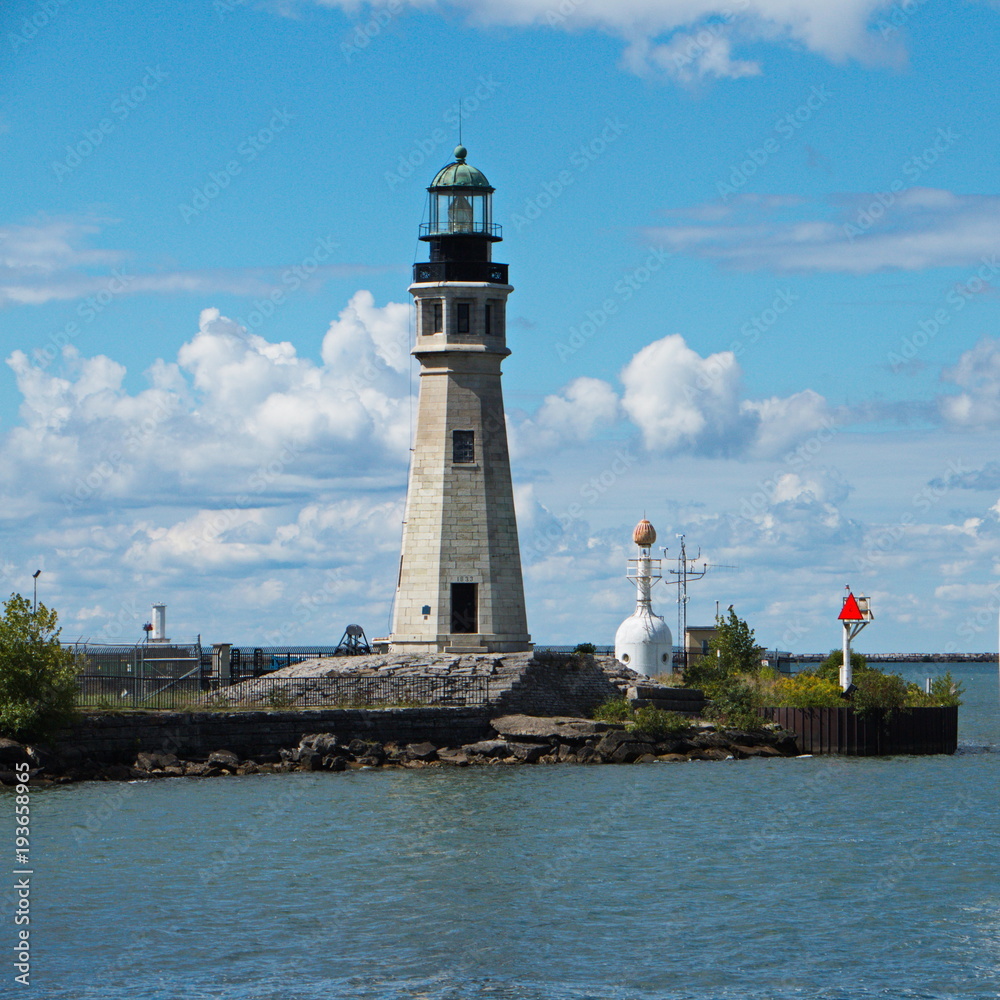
<point x="643" y="641"/>
<point x="459" y="587"/>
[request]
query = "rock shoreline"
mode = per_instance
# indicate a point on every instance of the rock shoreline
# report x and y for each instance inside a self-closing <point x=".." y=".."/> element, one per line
<point x="516" y="740"/>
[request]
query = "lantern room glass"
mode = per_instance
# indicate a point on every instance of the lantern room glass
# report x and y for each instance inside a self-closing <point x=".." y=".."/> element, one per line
<point x="460" y="211"/>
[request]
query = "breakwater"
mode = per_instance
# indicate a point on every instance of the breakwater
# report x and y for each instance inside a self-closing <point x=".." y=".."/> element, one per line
<point x="128" y="747"/>
<point x="903" y="657"/>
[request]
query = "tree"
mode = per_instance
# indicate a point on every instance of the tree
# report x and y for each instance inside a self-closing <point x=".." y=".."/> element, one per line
<point x="830" y="667"/>
<point x="734" y="645"/>
<point x="38" y="685"/>
<point x="726" y="673"/>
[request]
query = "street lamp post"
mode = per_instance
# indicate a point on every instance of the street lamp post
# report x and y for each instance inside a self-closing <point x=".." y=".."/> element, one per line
<point x="35" y="576"/>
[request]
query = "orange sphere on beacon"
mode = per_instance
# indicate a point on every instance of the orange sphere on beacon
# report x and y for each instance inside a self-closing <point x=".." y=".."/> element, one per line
<point x="644" y="535"/>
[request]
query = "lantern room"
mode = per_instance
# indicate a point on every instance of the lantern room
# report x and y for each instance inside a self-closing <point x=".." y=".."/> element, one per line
<point x="461" y="202"/>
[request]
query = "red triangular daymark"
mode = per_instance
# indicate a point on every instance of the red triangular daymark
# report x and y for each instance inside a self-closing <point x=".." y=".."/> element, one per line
<point x="850" y="611"/>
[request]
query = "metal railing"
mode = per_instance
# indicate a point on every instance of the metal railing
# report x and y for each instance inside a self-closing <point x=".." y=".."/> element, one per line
<point x="200" y="693"/>
<point x="492" y="230"/>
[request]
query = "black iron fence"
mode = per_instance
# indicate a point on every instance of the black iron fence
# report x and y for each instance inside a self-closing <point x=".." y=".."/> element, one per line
<point x="139" y="659"/>
<point x="104" y="692"/>
<point x="256" y="661"/>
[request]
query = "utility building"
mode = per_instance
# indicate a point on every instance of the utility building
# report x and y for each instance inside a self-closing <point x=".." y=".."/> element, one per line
<point x="460" y="586"/>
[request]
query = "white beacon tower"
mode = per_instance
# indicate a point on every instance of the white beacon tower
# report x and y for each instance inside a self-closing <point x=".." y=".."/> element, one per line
<point x="643" y="641"/>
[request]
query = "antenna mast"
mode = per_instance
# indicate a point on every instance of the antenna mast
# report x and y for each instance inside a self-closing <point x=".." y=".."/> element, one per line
<point x="686" y="570"/>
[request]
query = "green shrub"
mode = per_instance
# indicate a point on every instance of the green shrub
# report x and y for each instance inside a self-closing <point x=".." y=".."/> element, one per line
<point x="735" y="702"/>
<point x="38" y="685"/>
<point x="878" y="692"/>
<point x="585" y="649"/>
<point x="946" y="691"/>
<point x="807" y="690"/>
<point x="830" y="667"/>
<point x="613" y="710"/>
<point x="658" y="723"/>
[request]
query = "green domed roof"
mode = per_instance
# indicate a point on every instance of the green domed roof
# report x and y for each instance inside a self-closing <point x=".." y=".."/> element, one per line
<point x="460" y="174"/>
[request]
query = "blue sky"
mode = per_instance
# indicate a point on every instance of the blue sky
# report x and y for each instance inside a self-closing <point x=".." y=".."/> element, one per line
<point x="755" y="251"/>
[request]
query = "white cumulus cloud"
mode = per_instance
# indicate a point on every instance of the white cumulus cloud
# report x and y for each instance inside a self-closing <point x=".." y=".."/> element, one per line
<point x="977" y="374"/>
<point x="234" y="411"/>
<point x="679" y="399"/>
<point x="685" y="39"/>
<point x="571" y="416"/>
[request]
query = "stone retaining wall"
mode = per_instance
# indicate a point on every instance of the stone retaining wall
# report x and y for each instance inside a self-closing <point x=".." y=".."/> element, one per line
<point x="562" y="687"/>
<point x="119" y="737"/>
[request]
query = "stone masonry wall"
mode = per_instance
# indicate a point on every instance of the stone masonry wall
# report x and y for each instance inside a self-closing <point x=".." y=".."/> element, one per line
<point x="558" y="688"/>
<point x="119" y="737"/>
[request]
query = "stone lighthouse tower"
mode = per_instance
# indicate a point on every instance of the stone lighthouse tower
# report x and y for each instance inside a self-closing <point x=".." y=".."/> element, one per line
<point x="460" y="587"/>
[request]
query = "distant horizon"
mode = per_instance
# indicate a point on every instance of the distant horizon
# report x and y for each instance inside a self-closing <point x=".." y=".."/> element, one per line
<point x="602" y="649"/>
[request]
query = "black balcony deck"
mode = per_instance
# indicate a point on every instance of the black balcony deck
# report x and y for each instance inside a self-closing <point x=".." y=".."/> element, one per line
<point x="461" y="270"/>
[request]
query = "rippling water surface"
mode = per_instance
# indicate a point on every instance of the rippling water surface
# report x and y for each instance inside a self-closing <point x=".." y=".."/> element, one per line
<point x="816" y="877"/>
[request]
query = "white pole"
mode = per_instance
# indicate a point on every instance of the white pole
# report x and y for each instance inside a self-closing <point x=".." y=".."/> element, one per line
<point x="845" y="667"/>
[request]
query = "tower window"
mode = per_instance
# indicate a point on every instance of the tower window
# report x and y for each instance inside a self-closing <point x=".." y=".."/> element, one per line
<point x="488" y="319"/>
<point x="463" y="446"/>
<point x="438" y="318"/>
<point x="462" y="317"/>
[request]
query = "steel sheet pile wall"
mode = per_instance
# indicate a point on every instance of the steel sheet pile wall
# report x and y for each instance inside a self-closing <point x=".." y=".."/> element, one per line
<point x="844" y="731"/>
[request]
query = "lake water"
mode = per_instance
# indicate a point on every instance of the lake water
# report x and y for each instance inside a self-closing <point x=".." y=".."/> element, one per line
<point x="806" y="878"/>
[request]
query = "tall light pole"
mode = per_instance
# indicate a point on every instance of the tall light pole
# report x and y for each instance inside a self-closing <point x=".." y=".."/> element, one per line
<point x="35" y="576"/>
